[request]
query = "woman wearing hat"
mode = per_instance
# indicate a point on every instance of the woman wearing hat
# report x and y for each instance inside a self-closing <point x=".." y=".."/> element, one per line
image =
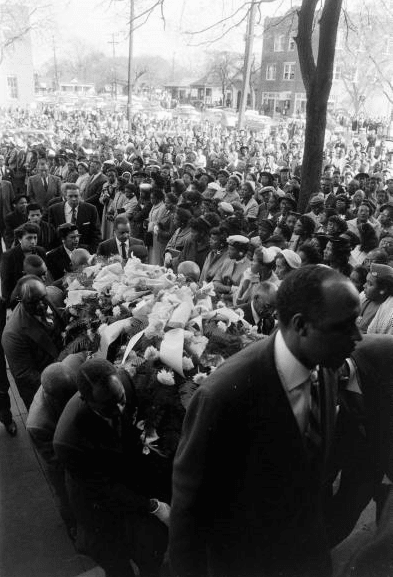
<point x="286" y="261"/>
<point x="177" y="241"/>
<point x="217" y="255"/>
<point x="228" y="277"/>
<point x="156" y="213"/>
<point x="83" y="178"/>
<point x="197" y="245"/>
<point x="261" y="269"/>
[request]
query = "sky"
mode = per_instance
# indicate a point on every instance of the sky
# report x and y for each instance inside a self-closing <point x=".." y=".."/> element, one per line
<point x="94" y="21"/>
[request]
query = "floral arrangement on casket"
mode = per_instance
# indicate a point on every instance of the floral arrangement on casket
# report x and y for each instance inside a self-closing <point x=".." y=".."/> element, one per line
<point x="166" y="332"/>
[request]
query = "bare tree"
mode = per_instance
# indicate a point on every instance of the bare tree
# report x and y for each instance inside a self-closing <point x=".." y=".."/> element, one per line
<point x="317" y="74"/>
<point x="18" y="21"/>
<point x="224" y="67"/>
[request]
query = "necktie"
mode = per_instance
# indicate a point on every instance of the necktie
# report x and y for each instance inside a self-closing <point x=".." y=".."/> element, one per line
<point x="314" y="433"/>
<point x="73" y="216"/>
<point x="123" y="251"/>
<point x="46" y="184"/>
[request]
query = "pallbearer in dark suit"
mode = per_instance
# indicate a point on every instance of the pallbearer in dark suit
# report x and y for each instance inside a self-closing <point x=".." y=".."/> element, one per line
<point x="43" y="187"/>
<point x="74" y="211"/>
<point x="31" y="340"/>
<point x="122" y="243"/>
<point x="12" y="260"/>
<point x="59" y="259"/>
<point x="363" y="446"/>
<point x="248" y="472"/>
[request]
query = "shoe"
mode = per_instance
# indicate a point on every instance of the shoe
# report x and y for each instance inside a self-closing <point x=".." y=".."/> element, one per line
<point x="11" y="428"/>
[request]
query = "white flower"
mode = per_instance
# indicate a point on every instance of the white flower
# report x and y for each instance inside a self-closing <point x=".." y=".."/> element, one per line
<point x="199" y="378"/>
<point x="131" y="370"/>
<point x="151" y="354"/>
<point x="99" y="314"/>
<point x="166" y="377"/>
<point x="222" y="326"/>
<point x="116" y="311"/>
<point x="188" y="365"/>
<point x="220" y="305"/>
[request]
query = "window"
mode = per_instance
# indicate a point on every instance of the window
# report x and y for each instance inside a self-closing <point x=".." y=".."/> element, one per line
<point x="291" y="44"/>
<point x="12" y="83"/>
<point x="289" y="71"/>
<point x="271" y="72"/>
<point x="337" y="72"/>
<point x="340" y="40"/>
<point x="389" y="45"/>
<point x="279" y="40"/>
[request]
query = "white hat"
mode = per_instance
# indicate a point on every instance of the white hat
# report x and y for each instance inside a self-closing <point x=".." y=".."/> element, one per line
<point x="268" y="254"/>
<point x="293" y="260"/>
<point x="214" y="186"/>
<point x="226" y="207"/>
<point x="238" y="238"/>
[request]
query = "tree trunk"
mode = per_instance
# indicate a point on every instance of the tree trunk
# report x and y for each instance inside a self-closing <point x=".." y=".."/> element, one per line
<point x="317" y="78"/>
<point x="316" y="110"/>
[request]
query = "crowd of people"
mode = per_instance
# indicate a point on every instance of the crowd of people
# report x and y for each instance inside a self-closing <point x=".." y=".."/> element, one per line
<point x="218" y="205"/>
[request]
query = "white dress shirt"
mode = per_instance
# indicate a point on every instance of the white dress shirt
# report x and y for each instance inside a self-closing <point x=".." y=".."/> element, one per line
<point x="118" y="243"/>
<point x="295" y="378"/>
<point x="68" y="212"/>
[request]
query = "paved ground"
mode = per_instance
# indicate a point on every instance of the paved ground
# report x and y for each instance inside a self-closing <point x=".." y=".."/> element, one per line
<point x="33" y="540"/>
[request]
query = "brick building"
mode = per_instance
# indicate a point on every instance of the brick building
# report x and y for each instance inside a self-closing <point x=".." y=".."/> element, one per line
<point x="281" y="86"/>
<point x="358" y="84"/>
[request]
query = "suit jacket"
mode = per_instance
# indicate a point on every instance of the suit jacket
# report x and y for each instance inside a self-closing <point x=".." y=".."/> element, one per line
<point x="29" y="348"/>
<point x="5" y="173"/>
<point x="373" y="357"/>
<point x="12" y="220"/>
<point x="58" y="262"/>
<point x="37" y="192"/>
<point x="109" y="247"/>
<point x="246" y="498"/>
<point x="363" y="447"/>
<point x="87" y="222"/>
<point x="246" y="308"/>
<point x="93" y="191"/>
<point x="6" y="198"/>
<point x="102" y="471"/>
<point x="12" y="268"/>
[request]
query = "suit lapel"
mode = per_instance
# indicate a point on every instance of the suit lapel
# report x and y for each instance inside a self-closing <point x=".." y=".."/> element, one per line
<point x="279" y="402"/>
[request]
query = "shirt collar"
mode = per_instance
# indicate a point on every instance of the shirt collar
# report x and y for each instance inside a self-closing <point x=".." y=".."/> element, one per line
<point x="291" y="371"/>
<point x="69" y="208"/>
<point x="69" y="252"/>
<point x="126" y="242"/>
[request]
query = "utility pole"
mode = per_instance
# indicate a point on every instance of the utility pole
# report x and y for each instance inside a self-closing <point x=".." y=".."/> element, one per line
<point x="247" y="63"/>
<point x="130" y="70"/>
<point x="114" y="76"/>
<point x="56" y="71"/>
